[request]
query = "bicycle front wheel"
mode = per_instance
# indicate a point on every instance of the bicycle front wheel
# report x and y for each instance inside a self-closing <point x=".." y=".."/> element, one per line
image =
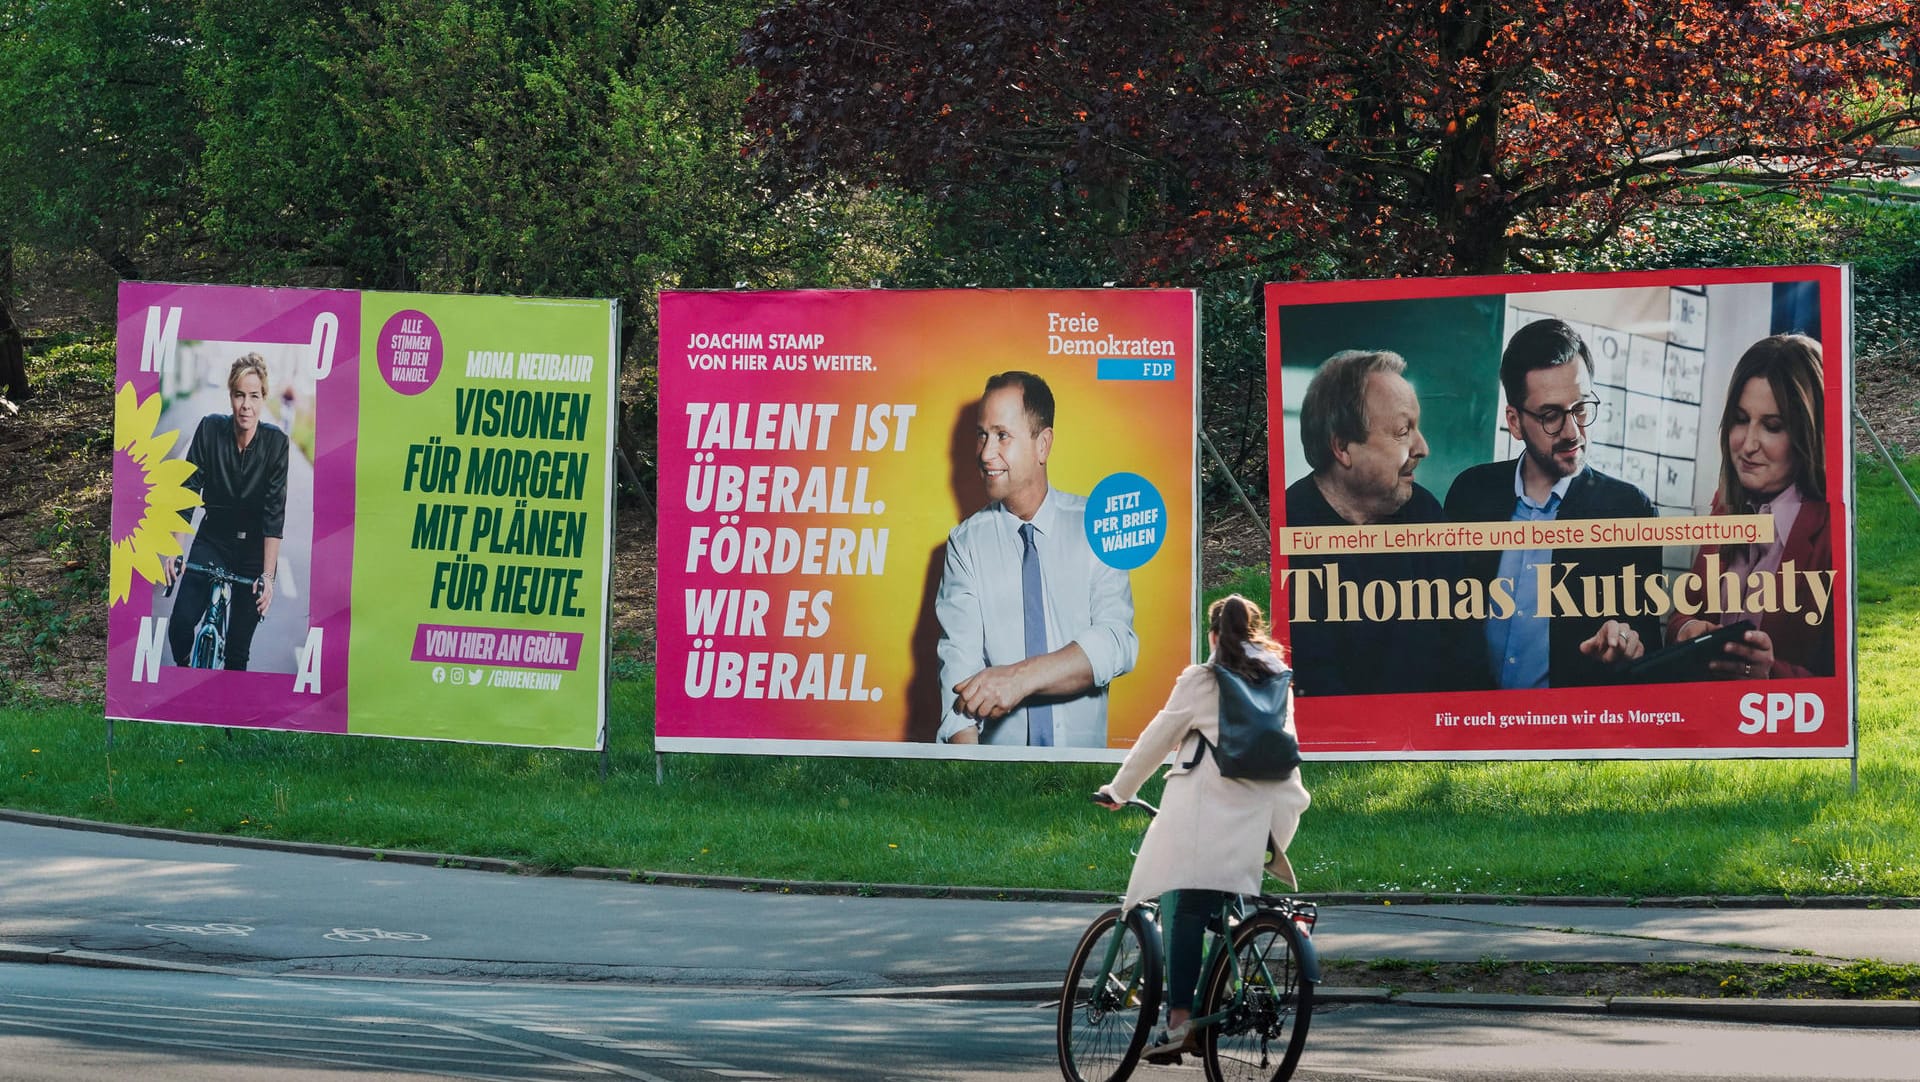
<point x="1110" y="999"/>
<point x="206" y="653"/>
<point x="1267" y="1002"/>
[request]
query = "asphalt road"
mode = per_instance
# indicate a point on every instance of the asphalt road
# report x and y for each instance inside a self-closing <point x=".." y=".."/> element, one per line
<point x="277" y="912"/>
<point x="69" y="1023"/>
<point x="293" y="965"/>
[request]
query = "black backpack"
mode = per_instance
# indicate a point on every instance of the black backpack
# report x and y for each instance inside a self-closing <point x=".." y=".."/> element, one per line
<point x="1254" y="742"/>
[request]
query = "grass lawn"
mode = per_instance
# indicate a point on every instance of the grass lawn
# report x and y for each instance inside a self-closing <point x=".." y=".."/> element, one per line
<point x="1628" y="828"/>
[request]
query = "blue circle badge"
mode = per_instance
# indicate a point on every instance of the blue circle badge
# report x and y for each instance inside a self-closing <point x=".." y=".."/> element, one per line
<point x="1126" y="520"/>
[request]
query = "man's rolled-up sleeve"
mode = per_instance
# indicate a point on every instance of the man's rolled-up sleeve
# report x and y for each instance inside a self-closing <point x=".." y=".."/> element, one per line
<point x="963" y="643"/>
<point x="1109" y="640"/>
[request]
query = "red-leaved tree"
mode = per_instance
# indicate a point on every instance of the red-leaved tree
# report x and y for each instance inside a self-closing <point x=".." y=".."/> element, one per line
<point x="1362" y="136"/>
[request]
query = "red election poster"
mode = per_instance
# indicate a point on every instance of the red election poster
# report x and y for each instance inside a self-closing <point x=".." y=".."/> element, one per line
<point x="1566" y="516"/>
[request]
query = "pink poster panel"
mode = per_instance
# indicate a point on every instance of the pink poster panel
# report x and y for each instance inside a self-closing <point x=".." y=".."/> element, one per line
<point x="234" y="442"/>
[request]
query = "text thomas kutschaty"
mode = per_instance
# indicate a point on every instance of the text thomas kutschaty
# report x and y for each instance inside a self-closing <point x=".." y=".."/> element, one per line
<point x="1561" y="591"/>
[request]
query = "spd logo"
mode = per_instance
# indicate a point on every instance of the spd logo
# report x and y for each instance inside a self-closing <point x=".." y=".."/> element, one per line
<point x="1764" y="713"/>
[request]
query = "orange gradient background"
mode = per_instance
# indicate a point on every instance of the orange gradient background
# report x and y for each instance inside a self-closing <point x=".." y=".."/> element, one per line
<point x="933" y="350"/>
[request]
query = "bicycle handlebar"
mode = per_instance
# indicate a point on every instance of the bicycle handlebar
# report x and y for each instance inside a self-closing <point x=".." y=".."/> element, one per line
<point x="1136" y="802"/>
<point x="212" y="571"/>
<point x="215" y="571"/>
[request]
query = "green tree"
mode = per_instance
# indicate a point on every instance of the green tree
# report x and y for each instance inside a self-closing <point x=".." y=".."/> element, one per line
<point x="96" y="128"/>
<point x="1388" y="136"/>
<point x="96" y="138"/>
<point x="548" y="147"/>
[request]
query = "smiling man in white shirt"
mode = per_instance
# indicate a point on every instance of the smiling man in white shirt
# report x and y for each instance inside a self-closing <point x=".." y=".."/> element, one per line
<point x="1033" y="626"/>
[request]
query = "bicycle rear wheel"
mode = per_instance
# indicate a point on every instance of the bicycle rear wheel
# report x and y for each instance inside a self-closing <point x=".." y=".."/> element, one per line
<point x="1105" y="1011"/>
<point x="1267" y="999"/>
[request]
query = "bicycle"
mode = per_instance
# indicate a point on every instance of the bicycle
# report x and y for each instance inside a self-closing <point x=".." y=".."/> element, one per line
<point x="210" y="634"/>
<point x="1256" y="998"/>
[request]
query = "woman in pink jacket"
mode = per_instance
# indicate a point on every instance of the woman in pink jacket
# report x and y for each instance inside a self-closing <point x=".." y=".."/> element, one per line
<point x="1772" y="462"/>
<point x="1213" y="834"/>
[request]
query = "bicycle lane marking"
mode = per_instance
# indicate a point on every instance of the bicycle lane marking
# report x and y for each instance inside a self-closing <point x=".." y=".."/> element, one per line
<point x="368" y="935"/>
<point x="201" y="929"/>
<point x="506" y="1020"/>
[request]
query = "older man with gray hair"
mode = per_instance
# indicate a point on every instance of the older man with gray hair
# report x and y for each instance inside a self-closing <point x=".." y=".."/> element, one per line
<point x="1360" y="430"/>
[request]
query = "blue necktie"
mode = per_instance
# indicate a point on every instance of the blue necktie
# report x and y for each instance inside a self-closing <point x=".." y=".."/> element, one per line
<point x="1033" y="608"/>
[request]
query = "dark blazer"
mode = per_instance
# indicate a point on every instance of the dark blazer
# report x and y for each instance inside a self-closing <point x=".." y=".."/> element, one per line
<point x="1362" y="657"/>
<point x="1485" y="494"/>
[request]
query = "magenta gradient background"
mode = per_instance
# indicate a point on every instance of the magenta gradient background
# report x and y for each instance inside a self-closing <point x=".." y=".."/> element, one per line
<point x="249" y="699"/>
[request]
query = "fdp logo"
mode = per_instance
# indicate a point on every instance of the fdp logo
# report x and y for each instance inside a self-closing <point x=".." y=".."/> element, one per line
<point x="1764" y="713"/>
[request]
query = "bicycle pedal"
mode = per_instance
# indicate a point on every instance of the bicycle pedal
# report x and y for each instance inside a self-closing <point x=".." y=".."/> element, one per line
<point x="1165" y="1059"/>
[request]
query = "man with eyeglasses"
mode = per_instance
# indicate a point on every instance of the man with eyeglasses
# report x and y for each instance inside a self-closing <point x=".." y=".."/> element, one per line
<point x="1547" y="374"/>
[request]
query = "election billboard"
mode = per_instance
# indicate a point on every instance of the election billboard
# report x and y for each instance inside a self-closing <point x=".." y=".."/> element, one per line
<point x="1566" y="516"/>
<point x="357" y="512"/>
<point x="946" y="523"/>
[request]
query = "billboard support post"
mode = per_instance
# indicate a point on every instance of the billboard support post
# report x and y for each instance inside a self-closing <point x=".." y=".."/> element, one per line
<point x="1861" y="419"/>
<point x="1233" y="482"/>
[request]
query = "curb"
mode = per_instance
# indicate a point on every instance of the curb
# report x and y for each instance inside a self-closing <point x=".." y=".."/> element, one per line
<point x="1884" y="1014"/>
<point x="751" y="884"/>
<point x="12" y="952"/>
<point x="828" y="887"/>
<point x="1876" y="1014"/>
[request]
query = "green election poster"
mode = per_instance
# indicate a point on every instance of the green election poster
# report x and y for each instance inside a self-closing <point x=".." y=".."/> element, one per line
<point x="482" y="531"/>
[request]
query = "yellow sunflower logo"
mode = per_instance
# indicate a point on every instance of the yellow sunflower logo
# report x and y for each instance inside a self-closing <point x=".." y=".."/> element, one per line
<point x="147" y="492"/>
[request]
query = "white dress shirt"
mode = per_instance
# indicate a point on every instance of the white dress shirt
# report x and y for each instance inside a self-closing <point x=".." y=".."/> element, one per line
<point x="981" y="608"/>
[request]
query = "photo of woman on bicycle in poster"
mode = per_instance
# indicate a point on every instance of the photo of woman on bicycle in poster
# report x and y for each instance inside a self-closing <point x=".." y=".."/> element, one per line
<point x="240" y="462"/>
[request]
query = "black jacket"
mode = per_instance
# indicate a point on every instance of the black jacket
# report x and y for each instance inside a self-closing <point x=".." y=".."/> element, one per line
<point x="245" y="492"/>
<point x="1485" y="494"/>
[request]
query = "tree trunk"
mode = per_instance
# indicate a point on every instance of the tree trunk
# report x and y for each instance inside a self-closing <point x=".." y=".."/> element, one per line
<point x="13" y="347"/>
<point x="1481" y="246"/>
<point x="122" y="263"/>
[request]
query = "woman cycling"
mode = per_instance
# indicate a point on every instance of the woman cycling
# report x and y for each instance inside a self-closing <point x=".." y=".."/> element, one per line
<point x="1213" y="833"/>
<point x="241" y="474"/>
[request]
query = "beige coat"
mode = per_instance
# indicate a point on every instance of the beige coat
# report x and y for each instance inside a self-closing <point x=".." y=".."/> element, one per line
<point x="1211" y="832"/>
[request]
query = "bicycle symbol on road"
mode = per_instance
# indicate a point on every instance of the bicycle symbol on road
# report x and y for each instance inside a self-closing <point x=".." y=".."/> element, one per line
<point x="367" y="935"/>
<point x="200" y="929"/>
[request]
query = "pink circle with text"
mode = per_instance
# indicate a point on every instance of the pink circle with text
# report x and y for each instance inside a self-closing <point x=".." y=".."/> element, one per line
<point x="409" y="352"/>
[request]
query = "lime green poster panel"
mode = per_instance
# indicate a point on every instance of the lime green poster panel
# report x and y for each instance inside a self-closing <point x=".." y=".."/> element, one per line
<point x="482" y="519"/>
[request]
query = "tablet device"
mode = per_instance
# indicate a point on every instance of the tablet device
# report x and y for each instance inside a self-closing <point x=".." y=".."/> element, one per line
<point x="1685" y="661"/>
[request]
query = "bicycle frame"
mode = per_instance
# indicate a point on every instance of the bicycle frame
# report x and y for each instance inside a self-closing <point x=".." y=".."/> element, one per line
<point x="210" y="634"/>
<point x="1302" y="914"/>
<point x="1132" y="989"/>
<point x="210" y="631"/>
